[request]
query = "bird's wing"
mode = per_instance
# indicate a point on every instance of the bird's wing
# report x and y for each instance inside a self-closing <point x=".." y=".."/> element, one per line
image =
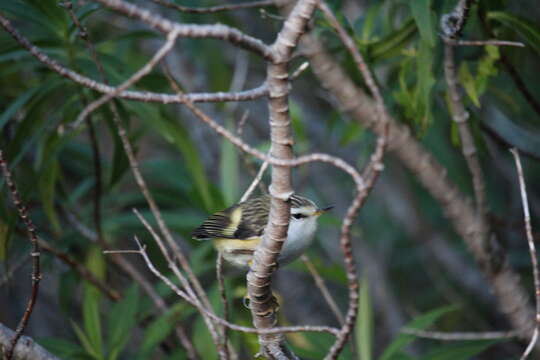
<point x="233" y="223"/>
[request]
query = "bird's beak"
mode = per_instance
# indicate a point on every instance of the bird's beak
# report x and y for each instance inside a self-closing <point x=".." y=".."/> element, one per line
<point x="323" y="210"/>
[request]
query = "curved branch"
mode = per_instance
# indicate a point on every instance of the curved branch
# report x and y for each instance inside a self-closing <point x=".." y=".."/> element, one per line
<point x="34" y="253"/>
<point x="505" y="282"/>
<point x="214" y="9"/>
<point x="145" y="96"/>
<point x="216" y="31"/>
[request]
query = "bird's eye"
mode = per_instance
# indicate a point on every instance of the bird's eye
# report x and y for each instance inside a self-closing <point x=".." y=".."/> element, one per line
<point x="298" y="216"/>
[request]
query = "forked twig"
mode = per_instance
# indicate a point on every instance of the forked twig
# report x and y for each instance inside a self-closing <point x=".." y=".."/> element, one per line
<point x="34" y="253"/>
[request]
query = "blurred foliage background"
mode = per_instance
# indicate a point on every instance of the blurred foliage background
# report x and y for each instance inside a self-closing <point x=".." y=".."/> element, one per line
<point x="417" y="268"/>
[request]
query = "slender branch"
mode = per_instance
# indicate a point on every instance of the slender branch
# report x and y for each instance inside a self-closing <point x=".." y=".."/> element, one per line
<point x="217" y="319"/>
<point x="26" y="349"/>
<point x="118" y="259"/>
<point x="255" y="182"/>
<point x="224" y="302"/>
<point x="513" y="299"/>
<point x="188" y="294"/>
<point x="34" y="253"/>
<point x="460" y="336"/>
<point x="215" y="9"/>
<point x="52" y="64"/>
<point x="98" y="187"/>
<point x="457" y="108"/>
<point x="371" y="173"/>
<point x="532" y="250"/>
<point x="158" y="56"/>
<point x="80" y="269"/>
<point x="319" y="281"/>
<point x="493" y="42"/>
<point x="217" y="31"/>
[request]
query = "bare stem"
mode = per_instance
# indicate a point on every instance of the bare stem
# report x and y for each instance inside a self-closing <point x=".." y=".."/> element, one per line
<point x="460" y="336"/>
<point x="532" y="250"/>
<point x="34" y="253"/>
<point x="145" y="96"/>
<point x="215" y="9"/>
<point x="224" y="302"/>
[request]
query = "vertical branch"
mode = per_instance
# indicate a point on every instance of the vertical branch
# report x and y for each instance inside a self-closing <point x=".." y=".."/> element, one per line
<point x="98" y="188"/>
<point x="371" y="174"/>
<point x="532" y="250"/>
<point x="35" y="254"/>
<point x="266" y="255"/>
<point x="452" y="25"/>
<point x="223" y="296"/>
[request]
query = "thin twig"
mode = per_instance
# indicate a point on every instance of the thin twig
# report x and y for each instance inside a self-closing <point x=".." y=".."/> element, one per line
<point x="493" y="42"/>
<point x="319" y="281"/>
<point x="460" y="336"/>
<point x="34" y="253"/>
<point x="460" y="117"/>
<point x="250" y="330"/>
<point x="158" y="56"/>
<point x="224" y="302"/>
<point x="532" y="250"/>
<point x="189" y="295"/>
<point x="117" y="259"/>
<point x="215" y="9"/>
<point x="371" y="173"/>
<point x="258" y="92"/>
<point x="255" y="182"/>
<point x="217" y="31"/>
<point x="96" y="158"/>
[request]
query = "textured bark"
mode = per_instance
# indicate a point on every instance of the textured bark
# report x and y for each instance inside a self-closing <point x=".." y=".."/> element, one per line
<point x="512" y="297"/>
<point x="265" y="257"/>
<point x="26" y="348"/>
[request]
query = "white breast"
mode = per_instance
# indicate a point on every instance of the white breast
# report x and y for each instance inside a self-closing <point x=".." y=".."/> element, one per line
<point x="299" y="237"/>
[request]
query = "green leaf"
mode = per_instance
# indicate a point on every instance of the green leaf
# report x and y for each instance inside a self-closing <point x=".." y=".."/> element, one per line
<point x="469" y="83"/>
<point x="91" y="317"/>
<point x="92" y="324"/>
<point x="19" y="102"/>
<point x="462" y="351"/>
<point x="426" y="80"/>
<point x="393" y="43"/>
<point x="85" y="341"/>
<point x="60" y="347"/>
<point x="526" y="28"/>
<point x="47" y="186"/>
<point x="173" y="131"/>
<point x="420" y="322"/>
<point x="122" y="319"/>
<point x="158" y="330"/>
<point x="421" y="10"/>
<point x="364" y="323"/>
<point x="229" y="170"/>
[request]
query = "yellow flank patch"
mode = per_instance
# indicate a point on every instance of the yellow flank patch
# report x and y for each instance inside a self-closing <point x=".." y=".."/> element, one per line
<point x="236" y="217"/>
<point x="228" y="245"/>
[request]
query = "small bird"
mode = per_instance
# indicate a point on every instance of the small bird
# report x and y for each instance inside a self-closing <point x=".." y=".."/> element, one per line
<point x="237" y="230"/>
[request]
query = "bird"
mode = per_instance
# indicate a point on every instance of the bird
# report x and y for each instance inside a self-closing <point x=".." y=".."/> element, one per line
<point x="237" y="230"/>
